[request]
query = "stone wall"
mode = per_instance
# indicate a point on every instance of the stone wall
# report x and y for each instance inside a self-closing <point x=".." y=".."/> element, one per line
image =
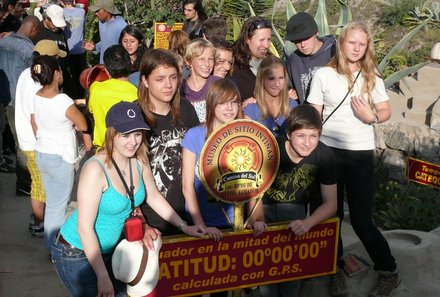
<point x="395" y="142"/>
<point x="414" y="127"/>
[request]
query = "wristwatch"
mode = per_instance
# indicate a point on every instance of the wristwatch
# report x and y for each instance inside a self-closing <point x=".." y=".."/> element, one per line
<point x="182" y="223"/>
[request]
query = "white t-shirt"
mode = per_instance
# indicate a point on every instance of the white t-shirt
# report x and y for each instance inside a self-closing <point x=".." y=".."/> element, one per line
<point x="24" y="107"/>
<point x="343" y="130"/>
<point x="55" y="133"/>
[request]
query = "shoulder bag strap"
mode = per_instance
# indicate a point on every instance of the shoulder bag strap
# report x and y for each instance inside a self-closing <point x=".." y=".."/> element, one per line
<point x="131" y="189"/>
<point x="342" y="101"/>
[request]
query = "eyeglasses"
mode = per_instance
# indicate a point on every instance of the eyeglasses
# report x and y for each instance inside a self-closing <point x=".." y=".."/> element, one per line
<point x="260" y="24"/>
<point x="234" y="103"/>
<point x="276" y="128"/>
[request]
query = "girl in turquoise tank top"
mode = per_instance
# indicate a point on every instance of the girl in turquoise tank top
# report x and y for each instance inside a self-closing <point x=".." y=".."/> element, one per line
<point x="83" y="249"/>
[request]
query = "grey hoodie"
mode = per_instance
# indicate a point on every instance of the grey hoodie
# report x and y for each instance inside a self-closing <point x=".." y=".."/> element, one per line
<point x="301" y="68"/>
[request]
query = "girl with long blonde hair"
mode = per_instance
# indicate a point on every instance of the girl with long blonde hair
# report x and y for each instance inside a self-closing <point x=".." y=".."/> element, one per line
<point x="272" y="104"/>
<point x="351" y="97"/>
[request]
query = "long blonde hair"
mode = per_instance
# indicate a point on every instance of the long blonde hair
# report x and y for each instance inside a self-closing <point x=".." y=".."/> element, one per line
<point x="369" y="69"/>
<point x="264" y="71"/>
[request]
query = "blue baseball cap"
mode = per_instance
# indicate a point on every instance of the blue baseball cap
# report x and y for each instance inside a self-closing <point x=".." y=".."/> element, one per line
<point x="125" y="117"/>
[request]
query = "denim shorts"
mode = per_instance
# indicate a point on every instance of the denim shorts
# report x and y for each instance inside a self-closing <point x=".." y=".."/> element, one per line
<point x="76" y="273"/>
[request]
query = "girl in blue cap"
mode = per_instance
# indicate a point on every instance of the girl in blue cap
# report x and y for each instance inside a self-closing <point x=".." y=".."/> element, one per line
<point x="83" y="249"/>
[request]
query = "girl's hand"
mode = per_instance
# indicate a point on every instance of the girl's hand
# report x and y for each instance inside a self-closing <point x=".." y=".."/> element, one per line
<point x="214" y="233"/>
<point x="362" y="110"/>
<point x="299" y="227"/>
<point x="150" y="234"/>
<point x="248" y="101"/>
<point x="258" y="226"/>
<point x="292" y="94"/>
<point x="105" y="286"/>
<point x="194" y="231"/>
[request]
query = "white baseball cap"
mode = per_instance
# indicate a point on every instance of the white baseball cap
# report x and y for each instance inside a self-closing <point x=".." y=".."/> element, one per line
<point x="55" y="12"/>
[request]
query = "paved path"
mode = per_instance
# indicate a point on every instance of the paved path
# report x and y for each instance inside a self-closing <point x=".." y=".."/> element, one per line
<point x="25" y="268"/>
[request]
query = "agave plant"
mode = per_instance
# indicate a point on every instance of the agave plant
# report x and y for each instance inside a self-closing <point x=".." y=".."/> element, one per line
<point x="401" y="74"/>
<point x="427" y="9"/>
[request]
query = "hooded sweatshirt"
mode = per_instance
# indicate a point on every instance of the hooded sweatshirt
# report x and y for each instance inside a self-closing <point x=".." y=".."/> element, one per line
<point x="301" y="68"/>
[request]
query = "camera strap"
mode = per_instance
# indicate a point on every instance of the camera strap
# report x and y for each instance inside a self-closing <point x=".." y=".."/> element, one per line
<point x="130" y="191"/>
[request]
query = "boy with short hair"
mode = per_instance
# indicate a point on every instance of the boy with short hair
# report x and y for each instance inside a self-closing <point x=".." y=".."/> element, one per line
<point x="306" y="176"/>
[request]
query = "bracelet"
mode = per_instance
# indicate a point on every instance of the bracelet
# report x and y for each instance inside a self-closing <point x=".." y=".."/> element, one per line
<point x="376" y="119"/>
<point x="182" y="223"/>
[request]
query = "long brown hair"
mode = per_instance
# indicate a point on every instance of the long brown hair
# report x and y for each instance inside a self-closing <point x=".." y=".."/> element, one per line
<point x="241" y="48"/>
<point x="108" y="147"/>
<point x="220" y="91"/>
<point x="152" y="60"/>
<point x="178" y="41"/>
<point x="368" y="62"/>
<point x="265" y="71"/>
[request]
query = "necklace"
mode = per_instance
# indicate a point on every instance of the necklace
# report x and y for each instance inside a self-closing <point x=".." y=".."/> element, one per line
<point x="123" y="173"/>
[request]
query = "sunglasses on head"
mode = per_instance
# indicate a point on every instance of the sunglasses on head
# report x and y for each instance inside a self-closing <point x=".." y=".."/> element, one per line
<point x="260" y="24"/>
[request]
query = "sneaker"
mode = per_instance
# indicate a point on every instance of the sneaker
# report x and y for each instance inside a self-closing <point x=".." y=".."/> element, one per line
<point x="36" y="230"/>
<point x="386" y="283"/>
<point x="37" y="233"/>
<point x="22" y="192"/>
<point x="338" y="284"/>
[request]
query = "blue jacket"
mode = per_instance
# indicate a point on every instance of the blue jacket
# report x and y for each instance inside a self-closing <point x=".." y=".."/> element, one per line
<point x="15" y="56"/>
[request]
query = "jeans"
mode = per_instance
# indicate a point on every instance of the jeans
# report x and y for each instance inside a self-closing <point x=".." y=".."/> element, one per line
<point x="355" y="179"/>
<point x="277" y="213"/>
<point x="57" y="176"/>
<point x="76" y="273"/>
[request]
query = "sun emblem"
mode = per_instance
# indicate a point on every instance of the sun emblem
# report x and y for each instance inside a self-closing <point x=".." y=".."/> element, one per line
<point x="241" y="159"/>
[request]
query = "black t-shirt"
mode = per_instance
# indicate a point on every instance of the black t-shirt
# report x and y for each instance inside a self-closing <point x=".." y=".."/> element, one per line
<point x="165" y="155"/>
<point x="244" y="79"/>
<point x="300" y="182"/>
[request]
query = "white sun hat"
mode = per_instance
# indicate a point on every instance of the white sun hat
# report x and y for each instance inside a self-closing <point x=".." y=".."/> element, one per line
<point x="135" y="265"/>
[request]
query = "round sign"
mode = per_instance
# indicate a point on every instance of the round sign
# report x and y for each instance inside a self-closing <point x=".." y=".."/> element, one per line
<point x="239" y="161"/>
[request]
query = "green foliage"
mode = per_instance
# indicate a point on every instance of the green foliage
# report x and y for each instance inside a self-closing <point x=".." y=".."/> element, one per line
<point x="396" y="10"/>
<point x="144" y="13"/>
<point x="411" y="206"/>
<point x="397" y="75"/>
<point x="427" y="9"/>
<point x="395" y="63"/>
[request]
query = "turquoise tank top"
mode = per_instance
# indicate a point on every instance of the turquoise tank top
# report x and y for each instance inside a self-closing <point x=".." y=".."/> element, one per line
<point x="113" y="209"/>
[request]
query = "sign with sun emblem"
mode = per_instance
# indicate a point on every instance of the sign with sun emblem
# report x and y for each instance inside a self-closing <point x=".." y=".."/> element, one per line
<point x="239" y="161"/>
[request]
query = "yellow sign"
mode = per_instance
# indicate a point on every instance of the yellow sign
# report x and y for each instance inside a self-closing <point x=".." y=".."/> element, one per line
<point x="161" y="32"/>
<point x="194" y="266"/>
<point x="239" y="161"/>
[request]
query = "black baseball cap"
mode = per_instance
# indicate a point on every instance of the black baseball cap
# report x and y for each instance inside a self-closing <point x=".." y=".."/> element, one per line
<point x="301" y="26"/>
<point x="125" y="117"/>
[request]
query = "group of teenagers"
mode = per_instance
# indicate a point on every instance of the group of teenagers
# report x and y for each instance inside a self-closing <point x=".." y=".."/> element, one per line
<point x="321" y="108"/>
